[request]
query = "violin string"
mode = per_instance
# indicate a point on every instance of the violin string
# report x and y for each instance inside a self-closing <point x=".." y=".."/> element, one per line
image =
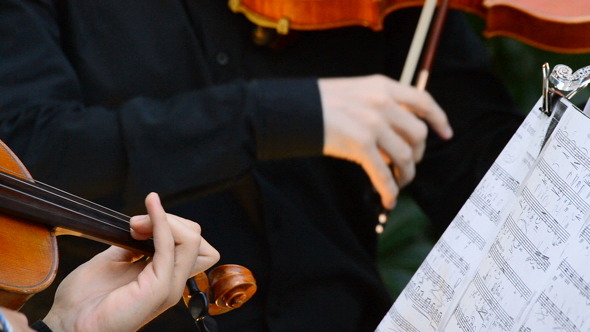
<point x="65" y="208"/>
<point x="61" y="206"/>
<point x="53" y="190"/>
<point x="66" y="196"/>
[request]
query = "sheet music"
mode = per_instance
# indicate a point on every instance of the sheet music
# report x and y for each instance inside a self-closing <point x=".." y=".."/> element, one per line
<point x="586" y="109"/>
<point x="506" y="254"/>
<point x="562" y="182"/>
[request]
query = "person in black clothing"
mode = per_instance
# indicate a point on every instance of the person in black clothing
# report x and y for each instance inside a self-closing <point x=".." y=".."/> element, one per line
<point x="115" y="291"/>
<point x="279" y="152"/>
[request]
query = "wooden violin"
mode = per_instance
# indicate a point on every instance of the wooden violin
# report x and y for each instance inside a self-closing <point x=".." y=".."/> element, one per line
<point x="33" y="214"/>
<point x="551" y="25"/>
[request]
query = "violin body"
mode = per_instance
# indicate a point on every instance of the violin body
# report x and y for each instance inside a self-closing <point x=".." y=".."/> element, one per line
<point x="547" y="24"/>
<point x="318" y="15"/>
<point x="562" y="27"/>
<point x="29" y="256"/>
<point x="29" y="262"/>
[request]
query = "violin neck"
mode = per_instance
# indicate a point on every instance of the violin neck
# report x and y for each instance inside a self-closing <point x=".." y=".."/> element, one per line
<point x="44" y="204"/>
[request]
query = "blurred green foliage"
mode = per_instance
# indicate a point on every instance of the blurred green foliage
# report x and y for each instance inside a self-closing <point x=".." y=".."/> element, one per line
<point x="408" y="236"/>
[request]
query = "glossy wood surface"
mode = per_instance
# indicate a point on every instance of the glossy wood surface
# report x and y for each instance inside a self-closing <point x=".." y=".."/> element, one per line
<point x="28" y="251"/>
<point x="559" y="26"/>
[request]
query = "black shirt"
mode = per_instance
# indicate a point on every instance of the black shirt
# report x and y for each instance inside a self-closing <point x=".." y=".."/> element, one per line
<point x="112" y="99"/>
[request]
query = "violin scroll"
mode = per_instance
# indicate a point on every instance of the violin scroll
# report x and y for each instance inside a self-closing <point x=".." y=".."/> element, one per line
<point x="228" y="287"/>
<point x="231" y="287"/>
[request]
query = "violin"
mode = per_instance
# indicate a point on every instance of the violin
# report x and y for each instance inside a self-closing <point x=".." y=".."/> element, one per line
<point x="554" y="26"/>
<point x="33" y="214"/>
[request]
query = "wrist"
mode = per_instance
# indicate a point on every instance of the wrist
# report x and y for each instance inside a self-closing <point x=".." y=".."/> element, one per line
<point x="52" y="323"/>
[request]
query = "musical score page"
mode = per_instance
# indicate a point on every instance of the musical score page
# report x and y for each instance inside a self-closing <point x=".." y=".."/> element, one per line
<point x="513" y="257"/>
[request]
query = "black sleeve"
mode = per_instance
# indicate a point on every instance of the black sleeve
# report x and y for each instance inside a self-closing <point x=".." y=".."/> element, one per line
<point x="482" y="114"/>
<point x="40" y="326"/>
<point x="202" y="140"/>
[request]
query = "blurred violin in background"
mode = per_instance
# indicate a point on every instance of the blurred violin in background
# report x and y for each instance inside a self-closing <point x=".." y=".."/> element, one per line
<point x="558" y="26"/>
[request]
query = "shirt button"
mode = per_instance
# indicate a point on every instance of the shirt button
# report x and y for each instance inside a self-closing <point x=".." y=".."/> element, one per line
<point x="222" y="58"/>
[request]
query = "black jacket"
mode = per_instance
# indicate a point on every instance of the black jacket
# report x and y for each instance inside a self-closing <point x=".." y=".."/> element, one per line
<point x="112" y="99"/>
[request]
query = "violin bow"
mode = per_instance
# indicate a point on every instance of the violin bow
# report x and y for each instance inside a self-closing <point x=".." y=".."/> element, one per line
<point x="418" y="40"/>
